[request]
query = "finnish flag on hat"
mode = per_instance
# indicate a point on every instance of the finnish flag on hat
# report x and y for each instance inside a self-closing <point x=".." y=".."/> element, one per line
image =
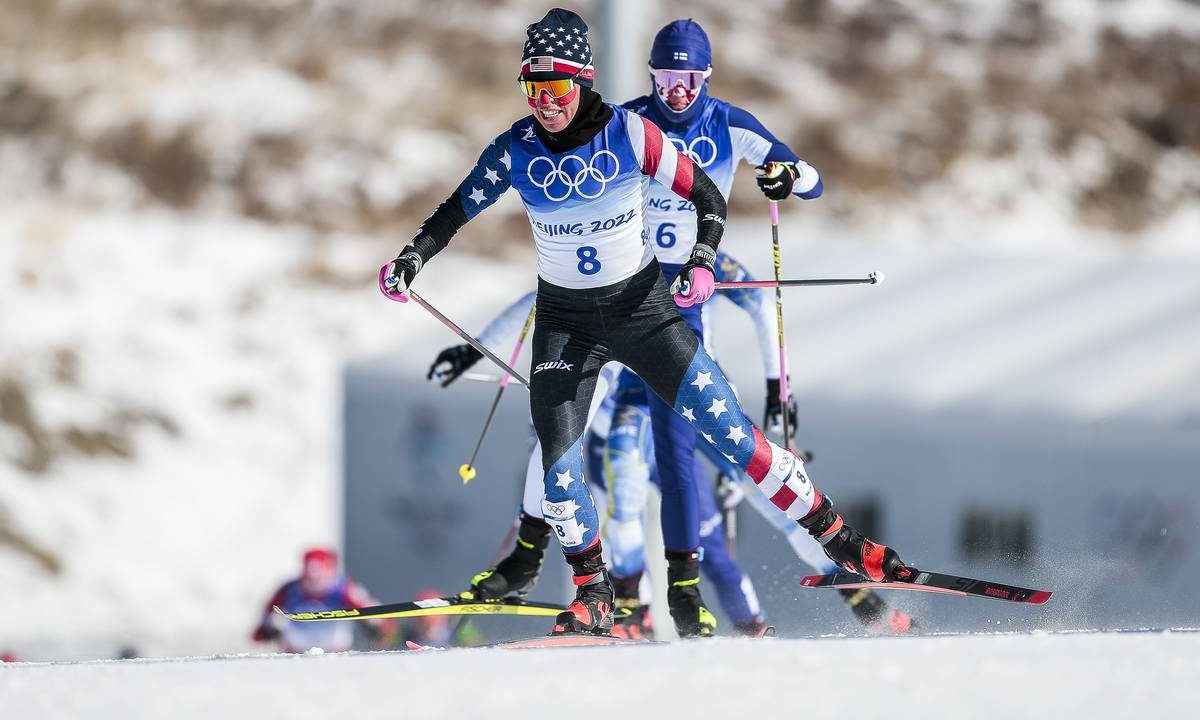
<point x="681" y="45"/>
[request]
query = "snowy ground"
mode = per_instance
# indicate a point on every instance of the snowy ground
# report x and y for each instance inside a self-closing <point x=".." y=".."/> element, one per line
<point x="1093" y="676"/>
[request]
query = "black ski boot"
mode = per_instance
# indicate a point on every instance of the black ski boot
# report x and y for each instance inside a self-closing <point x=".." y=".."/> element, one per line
<point x="632" y="617"/>
<point x="875" y="615"/>
<point x="850" y="549"/>
<point x="691" y="618"/>
<point x="517" y="573"/>
<point x="592" y="609"/>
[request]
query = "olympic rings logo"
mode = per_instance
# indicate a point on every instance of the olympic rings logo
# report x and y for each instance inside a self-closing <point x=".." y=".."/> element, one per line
<point x="573" y="173"/>
<point x="692" y="150"/>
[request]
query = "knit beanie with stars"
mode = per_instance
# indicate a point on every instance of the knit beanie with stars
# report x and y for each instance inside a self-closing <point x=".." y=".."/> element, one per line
<point x="556" y="47"/>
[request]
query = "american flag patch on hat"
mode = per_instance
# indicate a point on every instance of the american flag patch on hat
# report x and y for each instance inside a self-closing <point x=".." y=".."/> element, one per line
<point x="542" y="63"/>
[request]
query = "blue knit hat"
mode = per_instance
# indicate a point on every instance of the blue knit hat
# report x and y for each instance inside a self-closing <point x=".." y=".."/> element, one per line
<point x="556" y="47"/>
<point x="681" y="45"/>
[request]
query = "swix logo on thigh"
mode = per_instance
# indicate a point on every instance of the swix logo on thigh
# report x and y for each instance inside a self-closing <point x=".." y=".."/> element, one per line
<point x="553" y="365"/>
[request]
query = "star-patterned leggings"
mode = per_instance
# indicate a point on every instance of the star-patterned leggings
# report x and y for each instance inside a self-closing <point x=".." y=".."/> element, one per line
<point x="636" y="323"/>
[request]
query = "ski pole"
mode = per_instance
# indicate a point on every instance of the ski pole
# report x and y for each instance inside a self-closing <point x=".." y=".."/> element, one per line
<point x="469" y="377"/>
<point x="467" y="472"/>
<point x="874" y="278"/>
<point x="391" y="282"/>
<point x="481" y="377"/>
<point x="783" y="369"/>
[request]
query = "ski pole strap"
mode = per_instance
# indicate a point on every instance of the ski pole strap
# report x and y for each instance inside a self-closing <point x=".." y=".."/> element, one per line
<point x="465" y="336"/>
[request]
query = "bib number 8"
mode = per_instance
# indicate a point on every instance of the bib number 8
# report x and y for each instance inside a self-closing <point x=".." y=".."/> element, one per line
<point x="588" y="264"/>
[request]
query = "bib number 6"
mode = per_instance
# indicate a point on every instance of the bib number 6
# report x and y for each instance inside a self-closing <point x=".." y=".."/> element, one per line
<point x="588" y="264"/>
<point x="665" y="237"/>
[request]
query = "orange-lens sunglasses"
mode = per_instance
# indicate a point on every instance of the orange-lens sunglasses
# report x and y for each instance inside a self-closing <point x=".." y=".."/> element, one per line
<point x="557" y="88"/>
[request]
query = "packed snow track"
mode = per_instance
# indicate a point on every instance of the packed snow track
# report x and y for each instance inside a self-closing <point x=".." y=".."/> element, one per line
<point x="1083" y="675"/>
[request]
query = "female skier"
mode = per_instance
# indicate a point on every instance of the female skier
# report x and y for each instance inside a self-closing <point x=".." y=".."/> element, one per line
<point x="580" y="166"/>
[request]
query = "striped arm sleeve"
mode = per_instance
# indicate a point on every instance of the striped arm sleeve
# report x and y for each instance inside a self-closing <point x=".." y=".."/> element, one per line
<point x="659" y="157"/>
<point x="661" y="160"/>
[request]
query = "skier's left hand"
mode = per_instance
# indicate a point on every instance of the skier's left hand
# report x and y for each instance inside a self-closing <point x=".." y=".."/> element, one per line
<point x="452" y="363"/>
<point x="775" y="179"/>
<point x="773" y="417"/>
<point x="696" y="281"/>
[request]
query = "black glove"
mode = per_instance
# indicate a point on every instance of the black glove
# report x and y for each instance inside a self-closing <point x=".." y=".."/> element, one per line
<point x="452" y="363"/>
<point x="398" y="275"/>
<point x="776" y="179"/>
<point x="773" y="417"/>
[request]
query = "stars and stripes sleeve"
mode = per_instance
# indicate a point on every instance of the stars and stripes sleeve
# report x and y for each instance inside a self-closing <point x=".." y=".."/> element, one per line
<point x="482" y="187"/>
<point x="661" y="160"/>
<point x="757" y="145"/>
<point x="756" y="303"/>
<point x="488" y="180"/>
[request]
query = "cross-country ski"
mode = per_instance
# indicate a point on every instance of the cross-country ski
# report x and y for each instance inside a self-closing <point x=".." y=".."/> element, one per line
<point x="427" y="608"/>
<point x="935" y="583"/>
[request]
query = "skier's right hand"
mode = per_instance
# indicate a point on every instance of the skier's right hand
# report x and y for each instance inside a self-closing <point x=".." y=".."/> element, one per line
<point x="397" y="276"/>
<point x="696" y="281"/>
<point x="452" y="362"/>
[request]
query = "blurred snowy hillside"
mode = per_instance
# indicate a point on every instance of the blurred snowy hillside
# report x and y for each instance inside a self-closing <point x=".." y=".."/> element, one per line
<point x="358" y="114"/>
<point x="195" y="196"/>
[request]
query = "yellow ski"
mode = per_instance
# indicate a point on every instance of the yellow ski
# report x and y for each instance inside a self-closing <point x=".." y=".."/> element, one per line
<point x="464" y="604"/>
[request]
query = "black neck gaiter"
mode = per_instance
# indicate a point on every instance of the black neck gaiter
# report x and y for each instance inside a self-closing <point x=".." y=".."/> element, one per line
<point x="591" y="117"/>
